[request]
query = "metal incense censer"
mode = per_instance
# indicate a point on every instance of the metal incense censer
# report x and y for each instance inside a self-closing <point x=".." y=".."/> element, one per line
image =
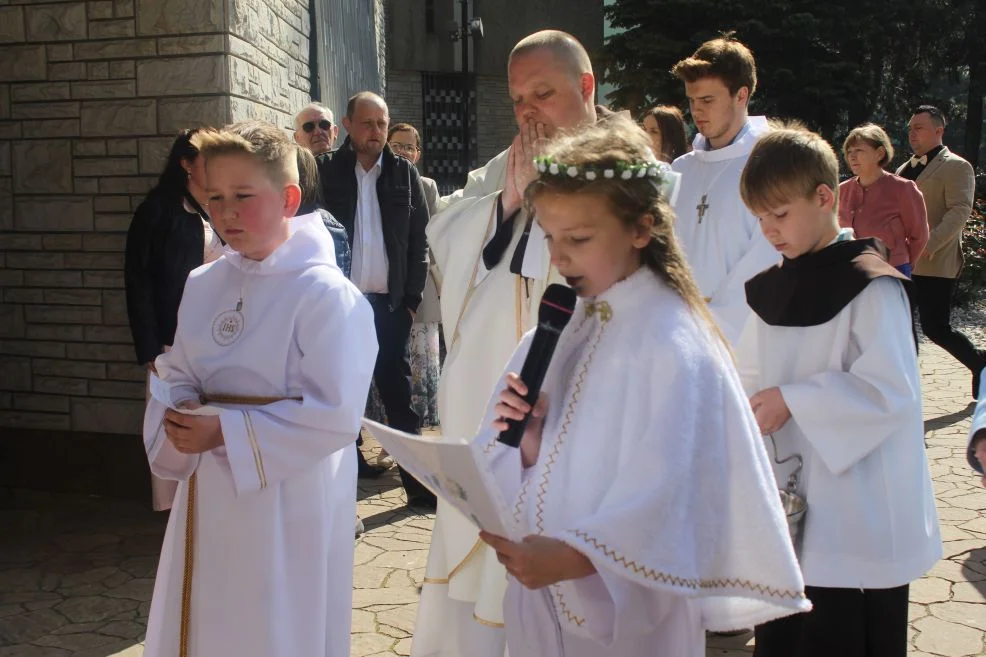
<point x="795" y="505"/>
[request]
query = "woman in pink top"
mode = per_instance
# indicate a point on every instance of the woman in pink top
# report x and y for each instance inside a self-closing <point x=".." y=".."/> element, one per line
<point x="876" y="203"/>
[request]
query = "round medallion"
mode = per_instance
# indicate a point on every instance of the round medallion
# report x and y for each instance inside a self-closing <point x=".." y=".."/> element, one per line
<point x="227" y="326"/>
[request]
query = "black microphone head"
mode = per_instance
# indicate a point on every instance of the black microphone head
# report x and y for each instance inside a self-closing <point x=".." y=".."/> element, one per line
<point x="557" y="306"/>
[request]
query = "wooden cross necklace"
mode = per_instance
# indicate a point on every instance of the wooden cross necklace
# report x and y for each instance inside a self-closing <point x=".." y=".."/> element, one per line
<point x="703" y="205"/>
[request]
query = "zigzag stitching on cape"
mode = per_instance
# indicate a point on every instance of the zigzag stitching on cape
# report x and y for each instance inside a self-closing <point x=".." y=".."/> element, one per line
<point x="578" y="620"/>
<point x="543" y="487"/>
<point x="691" y="583"/>
<point x="490" y="445"/>
<point x="525" y="489"/>
<point x="521" y="496"/>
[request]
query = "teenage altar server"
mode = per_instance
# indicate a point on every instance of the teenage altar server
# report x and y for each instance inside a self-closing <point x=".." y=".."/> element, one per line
<point x="258" y="555"/>
<point x="719" y="235"/>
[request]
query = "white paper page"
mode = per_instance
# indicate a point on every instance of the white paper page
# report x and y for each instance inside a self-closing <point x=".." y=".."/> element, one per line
<point x="453" y="469"/>
<point x="161" y="391"/>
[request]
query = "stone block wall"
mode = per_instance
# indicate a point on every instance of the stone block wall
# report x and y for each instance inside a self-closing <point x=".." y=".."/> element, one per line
<point x="91" y="94"/>
<point x="268" y="60"/>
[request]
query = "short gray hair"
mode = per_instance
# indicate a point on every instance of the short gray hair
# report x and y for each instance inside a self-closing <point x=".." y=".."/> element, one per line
<point x="314" y="106"/>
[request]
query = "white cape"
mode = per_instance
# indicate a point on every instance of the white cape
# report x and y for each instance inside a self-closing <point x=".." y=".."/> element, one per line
<point x="272" y="546"/>
<point x="651" y="464"/>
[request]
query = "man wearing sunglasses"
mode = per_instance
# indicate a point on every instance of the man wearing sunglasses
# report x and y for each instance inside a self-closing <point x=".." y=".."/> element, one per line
<point x="315" y="129"/>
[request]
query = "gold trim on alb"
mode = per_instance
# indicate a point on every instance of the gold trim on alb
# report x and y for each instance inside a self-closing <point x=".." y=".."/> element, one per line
<point x="186" y="584"/>
<point x="190" y="494"/>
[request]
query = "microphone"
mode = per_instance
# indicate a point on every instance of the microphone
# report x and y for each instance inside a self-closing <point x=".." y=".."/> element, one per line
<point x="555" y="311"/>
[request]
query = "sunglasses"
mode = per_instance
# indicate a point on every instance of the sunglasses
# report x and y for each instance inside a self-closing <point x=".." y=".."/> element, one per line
<point x="309" y="126"/>
<point x="398" y="147"/>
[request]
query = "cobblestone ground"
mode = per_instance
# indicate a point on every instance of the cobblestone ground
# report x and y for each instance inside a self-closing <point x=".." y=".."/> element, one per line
<point x="76" y="573"/>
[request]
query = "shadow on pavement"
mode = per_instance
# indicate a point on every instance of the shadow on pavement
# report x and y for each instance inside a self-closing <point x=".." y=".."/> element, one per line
<point x="945" y="421"/>
<point x="76" y="573"/>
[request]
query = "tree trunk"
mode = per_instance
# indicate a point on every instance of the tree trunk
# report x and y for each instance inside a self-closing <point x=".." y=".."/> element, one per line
<point x="974" y="116"/>
<point x="976" y="58"/>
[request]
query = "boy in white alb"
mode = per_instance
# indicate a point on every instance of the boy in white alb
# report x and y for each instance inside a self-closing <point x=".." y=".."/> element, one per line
<point x="719" y="235"/>
<point x="258" y="555"/>
<point x="830" y="360"/>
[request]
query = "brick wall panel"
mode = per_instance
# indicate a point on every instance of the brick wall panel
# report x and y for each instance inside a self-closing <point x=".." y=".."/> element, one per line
<point x="91" y="95"/>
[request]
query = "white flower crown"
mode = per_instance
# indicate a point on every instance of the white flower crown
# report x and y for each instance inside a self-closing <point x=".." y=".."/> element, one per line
<point x="659" y="173"/>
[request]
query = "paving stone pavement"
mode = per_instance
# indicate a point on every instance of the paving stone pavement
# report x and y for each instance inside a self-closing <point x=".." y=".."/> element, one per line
<point x="76" y="572"/>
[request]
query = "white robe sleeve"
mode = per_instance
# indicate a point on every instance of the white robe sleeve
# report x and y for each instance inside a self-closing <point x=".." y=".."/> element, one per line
<point x="728" y="302"/>
<point x="747" y="355"/>
<point x="167" y="462"/>
<point x="978" y="424"/>
<point x="845" y="415"/>
<point x="268" y="444"/>
<point x="615" y="607"/>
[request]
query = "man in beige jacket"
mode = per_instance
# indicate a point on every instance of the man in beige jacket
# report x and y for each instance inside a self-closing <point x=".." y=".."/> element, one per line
<point x="948" y="184"/>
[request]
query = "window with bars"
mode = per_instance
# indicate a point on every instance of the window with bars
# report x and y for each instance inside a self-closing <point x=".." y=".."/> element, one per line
<point x="446" y="98"/>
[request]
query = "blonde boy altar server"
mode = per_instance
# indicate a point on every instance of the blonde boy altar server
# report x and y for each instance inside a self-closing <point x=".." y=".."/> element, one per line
<point x="720" y="236"/>
<point x="494" y="268"/>
<point x="622" y="555"/>
<point x="258" y="555"/>
<point x="830" y="361"/>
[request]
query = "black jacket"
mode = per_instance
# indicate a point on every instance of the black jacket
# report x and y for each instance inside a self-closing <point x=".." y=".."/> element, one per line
<point x="164" y="244"/>
<point x="403" y="210"/>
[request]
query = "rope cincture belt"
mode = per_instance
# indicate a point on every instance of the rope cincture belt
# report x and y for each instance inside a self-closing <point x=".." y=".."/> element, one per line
<point x="186" y="586"/>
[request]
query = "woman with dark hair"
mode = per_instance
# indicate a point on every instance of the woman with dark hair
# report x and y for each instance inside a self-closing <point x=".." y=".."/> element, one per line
<point x="169" y="236"/>
<point x="665" y="125"/>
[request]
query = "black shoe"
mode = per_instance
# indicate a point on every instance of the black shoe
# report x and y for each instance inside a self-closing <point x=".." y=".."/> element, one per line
<point x="425" y="502"/>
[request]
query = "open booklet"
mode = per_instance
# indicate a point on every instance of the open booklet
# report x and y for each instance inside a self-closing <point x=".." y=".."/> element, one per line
<point x="455" y="470"/>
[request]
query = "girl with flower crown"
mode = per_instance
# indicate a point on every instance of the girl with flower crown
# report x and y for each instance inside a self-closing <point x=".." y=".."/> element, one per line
<point x="637" y="557"/>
